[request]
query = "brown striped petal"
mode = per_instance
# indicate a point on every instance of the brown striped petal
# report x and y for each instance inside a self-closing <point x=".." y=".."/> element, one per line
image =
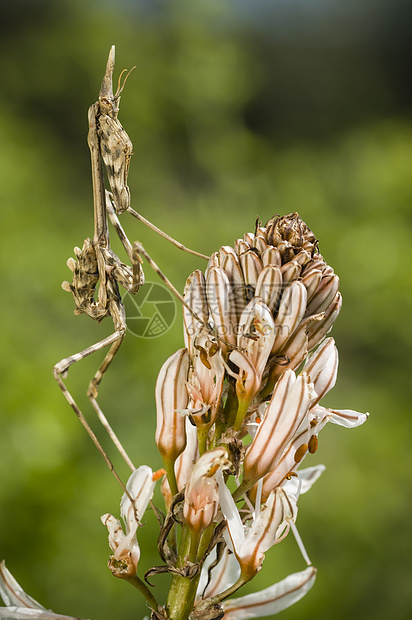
<point x="221" y="305"/>
<point x="231" y="266"/>
<point x="287" y="463"/>
<point x="251" y="267"/>
<point x="314" y="265"/>
<point x="271" y="256"/>
<point x="225" y="250"/>
<point x="260" y="244"/>
<point x="322" y="368"/>
<point x="241" y="247"/>
<point x="214" y="261"/>
<point x="290" y="271"/>
<point x="269" y="286"/>
<point x="262" y="231"/>
<point x="317" y="331"/>
<point x="311" y="281"/>
<point x="302" y="258"/>
<point x="291" y="311"/>
<point x="287" y="408"/>
<point x="171" y="398"/>
<point x="249" y="238"/>
<point x="195" y="296"/>
<point x="271" y="600"/>
<point x="201" y="496"/>
<point x="264" y="531"/>
<point x="324" y="295"/>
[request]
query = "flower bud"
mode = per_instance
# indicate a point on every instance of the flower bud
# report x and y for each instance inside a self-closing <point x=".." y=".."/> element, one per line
<point x="221" y="305"/>
<point x="322" y="368"/>
<point x="195" y="296"/>
<point x="269" y="286"/>
<point x="171" y="398"/>
<point x="288" y="406"/>
<point x="291" y="311"/>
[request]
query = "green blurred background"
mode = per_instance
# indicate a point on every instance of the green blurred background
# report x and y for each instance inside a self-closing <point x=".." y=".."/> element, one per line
<point x="237" y="108"/>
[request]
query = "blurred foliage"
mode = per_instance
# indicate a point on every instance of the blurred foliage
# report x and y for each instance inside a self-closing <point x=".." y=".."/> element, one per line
<point x="236" y="109"/>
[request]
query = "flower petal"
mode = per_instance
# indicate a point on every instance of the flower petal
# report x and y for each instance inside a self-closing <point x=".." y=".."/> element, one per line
<point x="251" y="267"/>
<point x="287" y="408"/>
<point x="322" y="368"/>
<point x="123" y="546"/>
<point x="195" y="296"/>
<point x="305" y="480"/>
<point x="291" y="311"/>
<point x="326" y="291"/>
<point x="140" y="487"/>
<point x="269" y="286"/>
<point x="271" y="256"/>
<point x="221" y="304"/>
<point x="202" y="491"/>
<point x="231" y="514"/>
<point x="222" y="576"/>
<point x="317" y="331"/>
<point x="24" y="613"/>
<point x="231" y="266"/>
<point x="271" y="600"/>
<point x="171" y="398"/>
<point x="347" y="417"/>
<point x="265" y="530"/>
<point x="11" y="591"/>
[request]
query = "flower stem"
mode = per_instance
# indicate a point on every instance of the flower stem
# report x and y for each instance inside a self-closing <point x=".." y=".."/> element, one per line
<point x="202" y="434"/>
<point x="182" y="591"/>
<point x="171" y="476"/>
<point x="220" y="597"/>
<point x="241" y="490"/>
<point x="143" y="589"/>
<point x="241" y="412"/>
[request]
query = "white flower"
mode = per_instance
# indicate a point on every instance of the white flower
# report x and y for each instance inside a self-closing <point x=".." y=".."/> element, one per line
<point x="269" y="525"/>
<point x="201" y="497"/>
<point x="140" y="488"/>
<point x="223" y="575"/>
<point x="206" y="377"/>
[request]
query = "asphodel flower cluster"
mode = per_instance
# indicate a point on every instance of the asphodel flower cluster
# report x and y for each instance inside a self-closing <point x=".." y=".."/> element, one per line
<point x="238" y="411"/>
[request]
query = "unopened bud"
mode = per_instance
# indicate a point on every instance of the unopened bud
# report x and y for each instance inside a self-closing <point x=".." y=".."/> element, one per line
<point x="171" y="398"/>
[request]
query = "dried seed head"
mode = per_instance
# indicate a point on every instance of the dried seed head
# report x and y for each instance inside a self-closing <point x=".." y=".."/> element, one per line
<point x="290" y="228"/>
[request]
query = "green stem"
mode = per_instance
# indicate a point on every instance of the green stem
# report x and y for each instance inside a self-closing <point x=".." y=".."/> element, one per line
<point x="182" y="591"/>
<point x="220" y="597"/>
<point x="241" y="490"/>
<point x="142" y="587"/>
<point x="171" y="476"/>
<point x="202" y="433"/>
<point x="241" y="412"/>
<point x="205" y="540"/>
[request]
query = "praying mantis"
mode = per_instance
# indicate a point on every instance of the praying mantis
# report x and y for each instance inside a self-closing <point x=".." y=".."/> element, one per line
<point x="97" y="270"/>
